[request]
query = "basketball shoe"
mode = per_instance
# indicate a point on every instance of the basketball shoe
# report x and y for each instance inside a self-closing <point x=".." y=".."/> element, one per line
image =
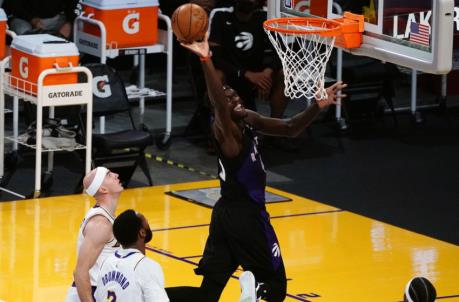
<point x="419" y="289"/>
<point x="248" y="290"/>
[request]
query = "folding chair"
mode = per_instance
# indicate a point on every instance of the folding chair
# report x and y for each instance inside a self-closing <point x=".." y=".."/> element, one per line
<point x="122" y="150"/>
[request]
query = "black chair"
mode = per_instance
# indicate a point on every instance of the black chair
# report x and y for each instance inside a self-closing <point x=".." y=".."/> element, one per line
<point x="123" y="150"/>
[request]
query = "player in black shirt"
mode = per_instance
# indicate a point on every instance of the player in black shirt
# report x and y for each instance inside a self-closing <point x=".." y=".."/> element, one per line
<point x="240" y="231"/>
<point x="244" y="56"/>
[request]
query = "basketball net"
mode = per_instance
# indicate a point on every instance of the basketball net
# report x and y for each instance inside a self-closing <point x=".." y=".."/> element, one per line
<point x="304" y="52"/>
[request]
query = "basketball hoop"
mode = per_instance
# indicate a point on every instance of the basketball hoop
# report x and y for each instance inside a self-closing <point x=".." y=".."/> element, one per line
<point x="304" y="46"/>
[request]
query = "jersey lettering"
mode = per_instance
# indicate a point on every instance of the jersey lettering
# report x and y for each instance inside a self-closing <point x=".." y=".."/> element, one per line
<point x="115" y="276"/>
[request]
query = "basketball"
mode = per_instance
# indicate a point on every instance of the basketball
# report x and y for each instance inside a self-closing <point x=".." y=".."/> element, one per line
<point x="189" y="23"/>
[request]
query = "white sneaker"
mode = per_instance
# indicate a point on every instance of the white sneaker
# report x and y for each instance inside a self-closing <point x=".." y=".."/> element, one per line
<point x="248" y="292"/>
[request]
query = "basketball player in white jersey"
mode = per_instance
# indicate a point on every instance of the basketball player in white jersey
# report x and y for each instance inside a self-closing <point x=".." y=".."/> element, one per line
<point x="95" y="238"/>
<point x="128" y="275"/>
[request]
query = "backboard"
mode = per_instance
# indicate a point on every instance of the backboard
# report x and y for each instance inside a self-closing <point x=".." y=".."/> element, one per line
<point x="416" y="34"/>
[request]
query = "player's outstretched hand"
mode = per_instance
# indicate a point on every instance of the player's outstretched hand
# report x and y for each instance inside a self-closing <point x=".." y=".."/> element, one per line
<point x="332" y="94"/>
<point x="200" y="48"/>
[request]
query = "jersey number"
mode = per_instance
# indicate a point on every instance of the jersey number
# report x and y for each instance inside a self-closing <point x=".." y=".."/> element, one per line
<point x="111" y="296"/>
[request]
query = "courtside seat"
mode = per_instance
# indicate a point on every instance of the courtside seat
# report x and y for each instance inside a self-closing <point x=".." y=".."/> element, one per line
<point x="121" y="150"/>
<point x="106" y="143"/>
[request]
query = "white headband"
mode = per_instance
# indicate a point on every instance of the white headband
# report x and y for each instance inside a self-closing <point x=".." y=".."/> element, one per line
<point x="101" y="172"/>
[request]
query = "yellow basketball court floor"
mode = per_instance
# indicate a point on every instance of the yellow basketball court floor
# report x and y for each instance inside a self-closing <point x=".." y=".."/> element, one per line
<point x="330" y="254"/>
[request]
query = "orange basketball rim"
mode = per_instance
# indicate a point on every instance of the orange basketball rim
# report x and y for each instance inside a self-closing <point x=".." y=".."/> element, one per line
<point x="347" y="30"/>
<point x="304" y="46"/>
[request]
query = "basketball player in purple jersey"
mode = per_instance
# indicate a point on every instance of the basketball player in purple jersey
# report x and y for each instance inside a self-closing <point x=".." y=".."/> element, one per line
<point x="240" y="232"/>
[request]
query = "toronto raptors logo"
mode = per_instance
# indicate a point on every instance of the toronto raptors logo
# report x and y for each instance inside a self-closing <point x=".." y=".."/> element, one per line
<point x="244" y="41"/>
<point x="276" y="250"/>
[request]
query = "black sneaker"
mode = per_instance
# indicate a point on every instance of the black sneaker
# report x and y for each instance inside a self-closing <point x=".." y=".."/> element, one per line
<point x="419" y="289"/>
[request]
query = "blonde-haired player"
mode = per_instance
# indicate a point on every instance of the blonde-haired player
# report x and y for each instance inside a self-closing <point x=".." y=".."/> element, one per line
<point x="95" y="237"/>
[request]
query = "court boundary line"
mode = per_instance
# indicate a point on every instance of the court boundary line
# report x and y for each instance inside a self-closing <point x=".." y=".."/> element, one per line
<point x="185" y="259"/>
<point x="444" y="297"/>
<point x="151" y="249"/>
<point x="447" y="297"/>
<point x="188" y="257"/>
<point x="193" y="201"/>
<point x="272" y="217"/>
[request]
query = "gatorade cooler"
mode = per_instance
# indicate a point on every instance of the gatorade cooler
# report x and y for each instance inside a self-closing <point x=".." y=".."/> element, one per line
<point x="31" y="54"/>
<point x="127" y="23"/>
<point x="3" y="20"/>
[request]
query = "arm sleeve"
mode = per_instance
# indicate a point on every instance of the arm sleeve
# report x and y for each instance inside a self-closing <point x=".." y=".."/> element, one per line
<point x="219" y="55"/>
<point x="151" y="280"/>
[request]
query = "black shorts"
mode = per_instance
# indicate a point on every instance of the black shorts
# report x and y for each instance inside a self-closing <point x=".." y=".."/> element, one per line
<point x="240" y="233"/>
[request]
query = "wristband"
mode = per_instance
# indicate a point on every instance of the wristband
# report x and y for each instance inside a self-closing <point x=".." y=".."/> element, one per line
<point x="206" y="58"/>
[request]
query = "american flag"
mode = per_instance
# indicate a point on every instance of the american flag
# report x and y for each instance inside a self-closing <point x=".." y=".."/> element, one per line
<point x="420" y="33"/>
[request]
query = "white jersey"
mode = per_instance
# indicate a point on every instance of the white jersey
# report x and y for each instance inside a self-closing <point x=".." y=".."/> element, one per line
<point x="128" y="275"/>
<point x="109" y="248"/>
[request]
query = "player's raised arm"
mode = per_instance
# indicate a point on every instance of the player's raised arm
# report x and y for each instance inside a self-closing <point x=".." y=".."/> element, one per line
<point x="224" y="126"/>
<point x="295" y="125"/>
<point x="214" y="85"/>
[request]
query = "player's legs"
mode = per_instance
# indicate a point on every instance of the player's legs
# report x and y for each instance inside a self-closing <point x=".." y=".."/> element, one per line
<point x="271" y="286"/>
<point x="209" y="291"/>
<point x="251" y="290"/>
<point x="254" y="245"/>
<point x="217" y="264"/>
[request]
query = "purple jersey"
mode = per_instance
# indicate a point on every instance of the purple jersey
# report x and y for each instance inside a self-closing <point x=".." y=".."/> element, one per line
<point x="243" y="177"/>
